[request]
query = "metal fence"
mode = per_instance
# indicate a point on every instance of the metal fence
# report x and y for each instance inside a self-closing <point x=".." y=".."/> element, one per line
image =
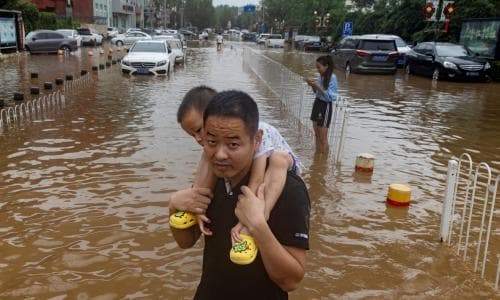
<point x="468" y="216"/>
<point x="296" y="97"/>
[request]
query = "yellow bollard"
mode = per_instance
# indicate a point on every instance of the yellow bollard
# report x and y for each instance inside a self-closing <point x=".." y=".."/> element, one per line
<point x="90" y="53"/>
<point x="60" y="52"/>
<point x="399" y="195"/>
<point x="110" y="50"/>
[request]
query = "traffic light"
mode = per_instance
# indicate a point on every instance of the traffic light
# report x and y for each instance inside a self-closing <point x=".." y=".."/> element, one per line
<point x="449" y="9"/>
<point x="429" y="9"/>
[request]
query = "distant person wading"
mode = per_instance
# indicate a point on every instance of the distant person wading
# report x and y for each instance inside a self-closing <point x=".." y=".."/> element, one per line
<point x="325" y="88"/>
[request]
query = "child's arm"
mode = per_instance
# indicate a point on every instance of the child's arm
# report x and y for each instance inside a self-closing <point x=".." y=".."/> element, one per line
<point x="257" y="173"/>
<point x="275" y="178"/>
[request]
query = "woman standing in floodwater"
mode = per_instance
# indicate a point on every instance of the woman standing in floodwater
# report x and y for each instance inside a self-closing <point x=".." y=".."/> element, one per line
<point x="325" y="88"/>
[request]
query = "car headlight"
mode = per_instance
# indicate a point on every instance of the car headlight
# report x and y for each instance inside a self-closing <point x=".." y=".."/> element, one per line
<point x="450" y="65"/>
<point x="487" y="66"/>
<point x="126" y="62"/>
<point x="161" y="63"/>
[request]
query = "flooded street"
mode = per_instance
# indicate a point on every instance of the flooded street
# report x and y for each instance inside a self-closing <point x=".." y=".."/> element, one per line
<point x="84" y="192"/>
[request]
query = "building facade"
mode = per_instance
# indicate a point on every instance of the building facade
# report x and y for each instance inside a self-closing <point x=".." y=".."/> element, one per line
<point x="101" y="12"/>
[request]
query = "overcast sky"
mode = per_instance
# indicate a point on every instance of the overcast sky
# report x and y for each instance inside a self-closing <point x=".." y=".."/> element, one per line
<point x="234" y="2"/>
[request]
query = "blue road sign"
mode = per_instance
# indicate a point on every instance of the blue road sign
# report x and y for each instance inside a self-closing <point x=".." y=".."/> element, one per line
<point x="250" y="8"/>
<point x="347" y="29"/>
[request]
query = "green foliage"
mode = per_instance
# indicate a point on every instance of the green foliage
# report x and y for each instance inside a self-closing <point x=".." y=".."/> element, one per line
<point x="199" y="13"/>
<point x="401" y="17"/>
<point x="33" y="19"/>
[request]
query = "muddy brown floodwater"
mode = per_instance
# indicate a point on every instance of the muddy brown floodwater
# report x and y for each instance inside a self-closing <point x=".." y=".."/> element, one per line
<point x="84" y="192"/>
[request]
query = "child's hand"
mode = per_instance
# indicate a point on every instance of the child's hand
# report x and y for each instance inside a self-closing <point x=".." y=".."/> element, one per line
<point x="202" y="219"/>
<point x="235" y="233"/>
<point x="311" y="82"/>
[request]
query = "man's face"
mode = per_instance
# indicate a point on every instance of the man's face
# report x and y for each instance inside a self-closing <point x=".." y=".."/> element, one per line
<point x="229" y="147"/>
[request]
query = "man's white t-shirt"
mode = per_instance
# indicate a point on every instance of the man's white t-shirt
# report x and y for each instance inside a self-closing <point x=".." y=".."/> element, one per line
<point x="219" y="39"/>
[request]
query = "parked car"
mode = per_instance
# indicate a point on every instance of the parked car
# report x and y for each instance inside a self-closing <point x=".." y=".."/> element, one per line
<point x="446" y="61"/>
<point x="249" y="37"/>
<point x="177" y="50"/>
<point x="262" y="38"/>
<point x="112" y="32"/>
<point x="311" y="43"/>
<point x="47" y="41"/>
<point x="366" y="55"/>
<point x="132" y="29"/>
<point x="130" y="38"/>
<point x="90" y="36"/>
<point x="275" y="41"/>
<point x="71" y="34"/>
<point x="148" y="57"/>
<point x="175" y="45"/>
<point x="403" y="48"/>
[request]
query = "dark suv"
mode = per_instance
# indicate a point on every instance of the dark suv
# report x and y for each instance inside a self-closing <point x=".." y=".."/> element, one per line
<point x="366" y="54"/>
<point x="45" y="41"/>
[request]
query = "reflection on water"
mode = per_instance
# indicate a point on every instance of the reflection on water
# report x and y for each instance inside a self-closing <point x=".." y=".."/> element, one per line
<point x="84" y="194"/>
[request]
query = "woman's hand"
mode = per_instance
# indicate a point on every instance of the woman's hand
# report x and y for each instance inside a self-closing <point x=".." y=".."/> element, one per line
<point x="311" y="82"/>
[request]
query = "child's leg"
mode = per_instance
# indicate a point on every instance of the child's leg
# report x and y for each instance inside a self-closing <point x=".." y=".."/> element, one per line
<point x="279" y="163"/>
<point x="204" y="178"/>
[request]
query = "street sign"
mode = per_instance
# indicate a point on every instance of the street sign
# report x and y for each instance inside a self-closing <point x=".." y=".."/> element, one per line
<point x="347" y="29"/>
<point x="250" y="8"/>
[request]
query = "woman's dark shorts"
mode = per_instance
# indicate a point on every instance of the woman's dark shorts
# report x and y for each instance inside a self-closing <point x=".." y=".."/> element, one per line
<point x="322" y="113"/>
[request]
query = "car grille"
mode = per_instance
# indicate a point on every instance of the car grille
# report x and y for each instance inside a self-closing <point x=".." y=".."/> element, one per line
<point x="143" y="65"/>
<point x="471" y="67"/>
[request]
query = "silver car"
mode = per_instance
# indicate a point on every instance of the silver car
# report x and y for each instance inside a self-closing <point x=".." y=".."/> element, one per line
<point x="130" y="38"/>
<point x="45" y="41"/>
<point x="368" y="54"/>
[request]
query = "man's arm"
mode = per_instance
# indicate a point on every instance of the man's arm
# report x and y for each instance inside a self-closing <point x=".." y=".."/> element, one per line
<point x="284" y="265"/>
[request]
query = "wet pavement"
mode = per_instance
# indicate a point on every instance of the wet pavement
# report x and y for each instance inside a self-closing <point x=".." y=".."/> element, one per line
<point x="84" y="192"/>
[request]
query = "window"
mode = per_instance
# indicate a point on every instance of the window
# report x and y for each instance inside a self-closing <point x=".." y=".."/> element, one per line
<point x="54" y="36"/>
<point x="148" y="47"/>
<point x="378" y="45"/>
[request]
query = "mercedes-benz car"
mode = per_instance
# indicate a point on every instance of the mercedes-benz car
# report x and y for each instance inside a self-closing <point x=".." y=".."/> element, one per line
<point x="149" y="57"/>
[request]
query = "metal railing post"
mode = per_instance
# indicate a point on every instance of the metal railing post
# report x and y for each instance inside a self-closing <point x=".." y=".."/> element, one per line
<point x="449" y="199"/>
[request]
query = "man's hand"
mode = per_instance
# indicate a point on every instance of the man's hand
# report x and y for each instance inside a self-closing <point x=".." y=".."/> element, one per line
<point x="250" y="208"/>
<point x="194" y="200"/>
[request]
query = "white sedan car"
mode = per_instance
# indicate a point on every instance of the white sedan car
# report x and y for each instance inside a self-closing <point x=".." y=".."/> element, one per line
<point x="130" y="38"/>
<point x="71" y="34"/>
<point x="175" y="45"/>
<point x="149" y="57"/>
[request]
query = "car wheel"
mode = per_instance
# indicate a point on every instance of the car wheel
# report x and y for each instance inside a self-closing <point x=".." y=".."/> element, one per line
<point x="435" y="74"/>
<point x="119" y="43"/>
<point x="408" y="69"/>
<point x="348" y="68"/>
<point x="65" y="49"/>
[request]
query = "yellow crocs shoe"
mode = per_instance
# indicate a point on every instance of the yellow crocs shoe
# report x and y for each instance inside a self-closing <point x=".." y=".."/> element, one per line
<point x="245" y="252"/>
<point x="182" y="220"/>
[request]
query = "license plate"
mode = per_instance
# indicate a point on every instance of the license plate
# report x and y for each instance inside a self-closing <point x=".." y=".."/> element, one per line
<point x="472" y="73"/>
<point x="142" y="71"/>
<point x="379" y="58"/>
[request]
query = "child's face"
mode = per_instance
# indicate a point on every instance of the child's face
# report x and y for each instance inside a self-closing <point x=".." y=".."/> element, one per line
<point x="192" y="124"/>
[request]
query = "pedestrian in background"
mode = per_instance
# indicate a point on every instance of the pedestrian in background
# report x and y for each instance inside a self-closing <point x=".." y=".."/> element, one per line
<point x="325" y="88"/>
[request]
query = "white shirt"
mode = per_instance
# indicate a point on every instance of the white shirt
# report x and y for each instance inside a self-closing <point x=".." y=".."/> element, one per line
<point x="220" y="39"/>
<point x="273" y="140"/>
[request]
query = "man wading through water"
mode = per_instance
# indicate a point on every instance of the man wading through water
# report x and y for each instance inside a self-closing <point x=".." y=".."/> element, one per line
<point x="231" y="139"/>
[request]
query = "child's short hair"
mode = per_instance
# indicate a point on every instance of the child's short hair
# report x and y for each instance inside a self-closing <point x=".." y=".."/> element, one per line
<point x="197" y="98"/>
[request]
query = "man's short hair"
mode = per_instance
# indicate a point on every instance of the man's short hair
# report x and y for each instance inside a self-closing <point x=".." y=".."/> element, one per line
<point x="197" y="98"/>
<point x="234" y="104"/>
